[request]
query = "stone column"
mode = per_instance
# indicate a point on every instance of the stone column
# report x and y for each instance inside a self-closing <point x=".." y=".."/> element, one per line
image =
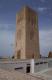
<point x="32" y="65"/>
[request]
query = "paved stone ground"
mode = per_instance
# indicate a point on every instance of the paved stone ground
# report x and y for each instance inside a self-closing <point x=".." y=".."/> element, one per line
<point x="6" y="75"/>
<point x="14" y="75"/>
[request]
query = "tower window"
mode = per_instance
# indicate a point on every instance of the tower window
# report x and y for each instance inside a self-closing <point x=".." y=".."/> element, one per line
<point x="19" y="34"/>
<point x="18" y="54"/>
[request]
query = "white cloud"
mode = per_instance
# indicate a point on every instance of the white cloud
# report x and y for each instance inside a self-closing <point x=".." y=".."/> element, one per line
<point x="7" y="26"/>
<point x="6" y="39"/>
<point x="42" y="9"/>
<point x="45" y="42"/>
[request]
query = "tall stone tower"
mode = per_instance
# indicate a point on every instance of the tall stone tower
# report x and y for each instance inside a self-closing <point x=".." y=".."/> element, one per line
<point x="27" y="35"/>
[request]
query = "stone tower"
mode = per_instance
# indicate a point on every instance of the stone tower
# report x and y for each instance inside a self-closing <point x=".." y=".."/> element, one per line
<point x="27" y="34"/>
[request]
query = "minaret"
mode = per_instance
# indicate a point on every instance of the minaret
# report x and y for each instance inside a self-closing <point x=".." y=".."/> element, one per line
<point x="27" y="34"/>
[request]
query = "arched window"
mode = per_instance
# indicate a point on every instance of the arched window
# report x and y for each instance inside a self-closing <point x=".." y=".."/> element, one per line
<point x="18" y="54"/>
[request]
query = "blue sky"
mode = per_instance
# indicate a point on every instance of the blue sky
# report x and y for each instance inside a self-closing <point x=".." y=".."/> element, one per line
<point x="8" y="10"/>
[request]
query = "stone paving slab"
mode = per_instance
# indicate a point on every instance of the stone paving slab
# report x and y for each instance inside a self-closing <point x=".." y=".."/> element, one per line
<point x="6" y="75"/>
<point x="15" y="75"/>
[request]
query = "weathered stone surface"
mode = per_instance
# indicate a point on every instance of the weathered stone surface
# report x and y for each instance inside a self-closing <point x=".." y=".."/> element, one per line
<point x="27" y="34"/>
<point x="15" y="75"/>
